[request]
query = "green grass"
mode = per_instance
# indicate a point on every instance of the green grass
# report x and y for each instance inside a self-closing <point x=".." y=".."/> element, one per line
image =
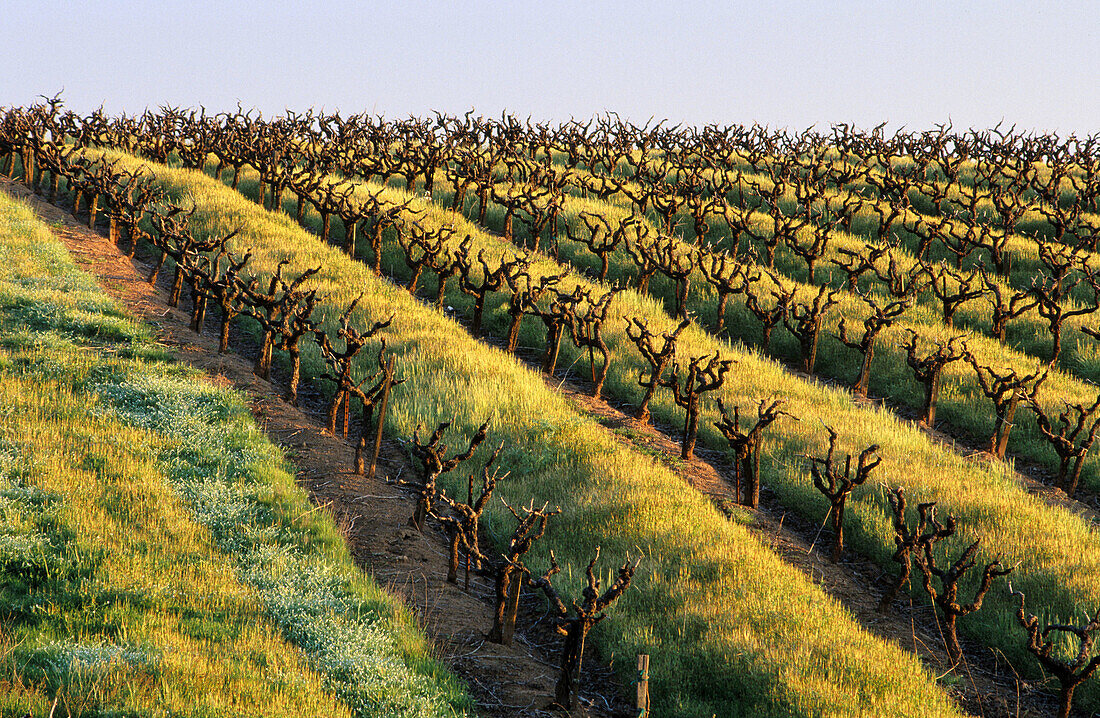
<point x="1028" y="333"/>
<point x="158" y="557"/>
<point x="1057" y="554"/>
<point x="731" y="629"/>
<point x="962" y="405"/>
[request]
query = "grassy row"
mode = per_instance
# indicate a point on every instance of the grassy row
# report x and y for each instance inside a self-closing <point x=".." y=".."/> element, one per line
<point x="157" y="556"/>
<point x="1028" y="333"/>
<point x="1057" y="553"/>
<point x="731" y="629"/>
<point x="962" y="404"/>
<point x="1027" y="338"/>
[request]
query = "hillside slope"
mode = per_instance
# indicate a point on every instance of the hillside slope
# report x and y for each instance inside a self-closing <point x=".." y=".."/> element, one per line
<point x="157" y="553"/>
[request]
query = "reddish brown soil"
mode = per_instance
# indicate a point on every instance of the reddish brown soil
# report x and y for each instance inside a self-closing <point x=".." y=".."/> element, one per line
<point x="374" y="517"/>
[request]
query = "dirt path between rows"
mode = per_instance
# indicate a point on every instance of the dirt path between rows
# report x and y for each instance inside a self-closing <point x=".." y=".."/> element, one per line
<point x="374" y="516"/>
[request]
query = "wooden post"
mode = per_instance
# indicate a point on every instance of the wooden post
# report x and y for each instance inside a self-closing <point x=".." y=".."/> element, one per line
<point x="514" y="590"/>
<point x="28" y="166"/>
<point x="347" y="411"/>
<point x="470" y="502"/>
<point x="93" y="209"/>
<point x="643" y="686"/>
<point x="386" y="383"/>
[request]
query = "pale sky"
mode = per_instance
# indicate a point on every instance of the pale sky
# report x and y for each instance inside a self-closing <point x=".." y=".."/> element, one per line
<point x="789" y="64"/>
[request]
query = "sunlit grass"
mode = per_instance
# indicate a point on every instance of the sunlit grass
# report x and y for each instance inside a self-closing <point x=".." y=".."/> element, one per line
<point x="152" y="561"/>
<point x="731" y="629"/>
<point x="1057" y="553"/>
<point x="1027" y="333"/>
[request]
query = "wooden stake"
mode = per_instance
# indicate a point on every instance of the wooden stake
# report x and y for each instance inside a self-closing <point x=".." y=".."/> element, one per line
<point x="93" y="209"/>
<point x="469" y="502"/>
<point x="514" y="590"/>
<point x="643" y="686"/>
<point x="592" y="361"/>
<point x="386" y="383"/>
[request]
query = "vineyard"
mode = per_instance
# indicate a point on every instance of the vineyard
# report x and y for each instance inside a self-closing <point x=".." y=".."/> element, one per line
<point x="880" y="349"/>
<point x="154" y="549"/>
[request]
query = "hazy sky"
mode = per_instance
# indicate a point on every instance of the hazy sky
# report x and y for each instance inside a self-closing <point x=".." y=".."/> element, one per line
<point x="792" y="64"/>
